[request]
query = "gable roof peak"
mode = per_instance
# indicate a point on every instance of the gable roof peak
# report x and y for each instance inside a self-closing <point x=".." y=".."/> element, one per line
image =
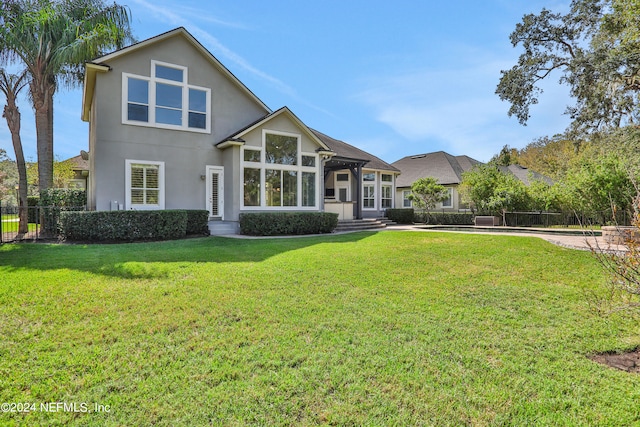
<point x="101" y="63"/>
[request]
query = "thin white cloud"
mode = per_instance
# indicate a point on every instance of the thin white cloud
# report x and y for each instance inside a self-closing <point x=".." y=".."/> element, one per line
<point x="186" y="20"/>
<point x="458" y="109"/>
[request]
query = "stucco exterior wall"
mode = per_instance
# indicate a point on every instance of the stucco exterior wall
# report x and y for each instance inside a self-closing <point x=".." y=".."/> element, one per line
<point x="185" y="154"/>
<point x="455" y="194"/>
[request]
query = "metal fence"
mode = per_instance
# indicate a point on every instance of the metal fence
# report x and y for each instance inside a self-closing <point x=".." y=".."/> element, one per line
<point x="42" y="222"/>
<point x="546" y="219"/>
<point x="566" y="219"/>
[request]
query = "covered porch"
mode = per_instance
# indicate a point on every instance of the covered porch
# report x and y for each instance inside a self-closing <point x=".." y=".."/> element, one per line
<point x="343" y="187"/>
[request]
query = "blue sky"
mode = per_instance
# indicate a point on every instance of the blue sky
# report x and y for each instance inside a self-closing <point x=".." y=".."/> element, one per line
<point x="393" y="78"/>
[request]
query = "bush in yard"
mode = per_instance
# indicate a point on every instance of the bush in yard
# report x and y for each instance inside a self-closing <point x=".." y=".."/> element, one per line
<point x="287" y="223"/>
<point x="198" y="222"/>
<point x="401" y="216"/>
<point x="55" y="200"/>
<point x="123" y="226"/>
<point x="63" y="197"/>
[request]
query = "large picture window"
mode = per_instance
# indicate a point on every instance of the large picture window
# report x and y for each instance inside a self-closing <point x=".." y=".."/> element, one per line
<point x="144" y="184"/>
<point x="278" y="175"/>
<point x="165" y="99"/>
<point x="281" y="149"/>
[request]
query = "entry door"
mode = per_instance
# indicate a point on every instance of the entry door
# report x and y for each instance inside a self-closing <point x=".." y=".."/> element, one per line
<point x="343" y="187"/>
<point x="215" y="191"/>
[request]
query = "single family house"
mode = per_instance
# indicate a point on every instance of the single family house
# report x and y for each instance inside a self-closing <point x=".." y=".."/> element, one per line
<point x="444" y="167"/>
<point x="448" y="170"/>
<point x="170" y="127"/>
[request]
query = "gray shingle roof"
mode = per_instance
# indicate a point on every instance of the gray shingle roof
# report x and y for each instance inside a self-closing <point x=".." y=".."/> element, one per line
<point x="448" y="169"/>
<point x="342" y="149"/>
<point x="444" y="167"/>
<point x="524" y="174"/>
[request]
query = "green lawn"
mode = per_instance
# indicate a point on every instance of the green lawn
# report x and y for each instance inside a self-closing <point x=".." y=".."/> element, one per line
<point x="11" y="222"/>
<point x="388" y="328"/>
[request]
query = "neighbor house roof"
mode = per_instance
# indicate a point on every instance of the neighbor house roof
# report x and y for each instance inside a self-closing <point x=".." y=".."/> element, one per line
<point x="78" y="162"/>
<point x="525" y="175"/>
<point x="100" y="65"/>
<point x="348" y="151"/>
<point x="444" y="167"/>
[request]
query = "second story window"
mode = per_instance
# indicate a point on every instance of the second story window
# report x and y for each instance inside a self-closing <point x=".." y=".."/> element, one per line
<point x="166" y="100"/>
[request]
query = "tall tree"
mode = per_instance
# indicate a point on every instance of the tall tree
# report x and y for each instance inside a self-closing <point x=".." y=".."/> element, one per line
<point x="507" y="156"/>
<point x="10" y="86"/>
<point x="53" y="39"/>
<point x="492" y="191"/>
<point x="550" y="156"/>
<point x="595" y="49"/>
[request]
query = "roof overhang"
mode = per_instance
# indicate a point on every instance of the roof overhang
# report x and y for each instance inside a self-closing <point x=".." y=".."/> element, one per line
<point x="340" y="162"/>
<point x="91" y="70"/>
<point x="198" y="46"/>
<point x="230" y="142"/>
<point x="282" y="111"/>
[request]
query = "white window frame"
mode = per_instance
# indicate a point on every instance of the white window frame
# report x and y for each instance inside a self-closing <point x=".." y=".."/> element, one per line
<point x="127" y="182"/>
<point x="373" y="184"/>
<point x="152" y="80"/>
<point x="364" y="196"/>
<point x="405" y="199"/>
<point x="298" y="168"/>
<point x="383" y="185"/>
<point x="450" y="205"/>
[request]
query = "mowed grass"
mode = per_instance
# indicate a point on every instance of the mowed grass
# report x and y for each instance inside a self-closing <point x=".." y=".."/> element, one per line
<point x="388" y="328"/>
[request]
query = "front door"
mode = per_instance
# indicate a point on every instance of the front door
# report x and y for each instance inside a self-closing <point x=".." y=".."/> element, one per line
<point x="343" y="186"/>
<point x="215" y="191"/>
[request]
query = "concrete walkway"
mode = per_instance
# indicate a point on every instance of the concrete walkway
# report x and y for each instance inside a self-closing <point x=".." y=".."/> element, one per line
<point x="583" y="242"/>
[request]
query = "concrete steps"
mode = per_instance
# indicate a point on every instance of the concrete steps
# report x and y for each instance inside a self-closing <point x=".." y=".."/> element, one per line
<point x="359" y="225"/>
<point x="387" y="221"/>
<point x="221" y="228"/>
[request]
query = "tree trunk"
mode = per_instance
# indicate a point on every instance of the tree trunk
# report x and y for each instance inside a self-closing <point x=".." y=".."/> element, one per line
<point x="42" y="101"/>
<point x="12" y="114"/>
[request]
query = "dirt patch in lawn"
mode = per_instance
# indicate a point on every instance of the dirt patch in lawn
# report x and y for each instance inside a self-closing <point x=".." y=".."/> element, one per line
<point x="628" y="362"/>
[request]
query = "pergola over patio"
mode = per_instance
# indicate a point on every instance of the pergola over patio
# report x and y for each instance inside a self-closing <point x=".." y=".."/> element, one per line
<point x="355" y="166"/>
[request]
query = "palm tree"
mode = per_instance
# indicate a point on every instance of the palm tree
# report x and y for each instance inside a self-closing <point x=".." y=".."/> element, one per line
<point x="11" y="85"/>
<point x="53" y="39"/>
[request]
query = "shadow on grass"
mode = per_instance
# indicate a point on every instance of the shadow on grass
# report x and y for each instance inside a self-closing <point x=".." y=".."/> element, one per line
<point x="151" y="259"/>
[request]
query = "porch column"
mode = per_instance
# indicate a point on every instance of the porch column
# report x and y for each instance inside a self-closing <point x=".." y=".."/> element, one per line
<point x="357" y="174"/>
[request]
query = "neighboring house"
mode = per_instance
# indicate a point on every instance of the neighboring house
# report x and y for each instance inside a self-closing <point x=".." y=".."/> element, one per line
<point x="447" y="170"/>
<point x="171" y="128"/>
<point x="80" y="167"/>
<point x="444" y="167"/>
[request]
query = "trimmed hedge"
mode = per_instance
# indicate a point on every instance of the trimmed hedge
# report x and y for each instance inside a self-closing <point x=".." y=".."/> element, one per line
<point x="287" y="223"/>
<point x="445" y="218"/>
<point x="63" y="197"/>
<point x="123" y="226"/>
<point x="401" y="216"/>
<point x="198" y="222"/>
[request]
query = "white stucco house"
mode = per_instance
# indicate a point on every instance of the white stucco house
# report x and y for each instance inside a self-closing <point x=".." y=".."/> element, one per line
<point x="170" y="127"/>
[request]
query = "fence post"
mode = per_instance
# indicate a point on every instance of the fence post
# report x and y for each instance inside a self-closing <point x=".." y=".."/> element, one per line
<point x="1" y="222"/>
